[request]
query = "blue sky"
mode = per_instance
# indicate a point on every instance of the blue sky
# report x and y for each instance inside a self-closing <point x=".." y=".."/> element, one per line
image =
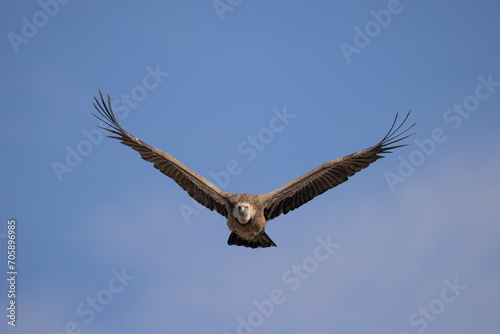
<point x="107" y="244"/>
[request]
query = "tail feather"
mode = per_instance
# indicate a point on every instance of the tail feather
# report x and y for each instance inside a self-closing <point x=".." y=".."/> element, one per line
<point x="263" y="241"/>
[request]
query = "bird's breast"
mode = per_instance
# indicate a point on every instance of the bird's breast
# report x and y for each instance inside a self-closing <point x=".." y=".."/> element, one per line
<point x="249" y="231"/>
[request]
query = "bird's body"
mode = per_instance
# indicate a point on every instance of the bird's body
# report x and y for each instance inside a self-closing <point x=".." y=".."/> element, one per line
<point x="247" y="221"/>
<point x="247" y="214"/>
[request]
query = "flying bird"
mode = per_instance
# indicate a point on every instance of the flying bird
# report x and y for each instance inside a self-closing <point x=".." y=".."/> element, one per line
<point x="247" y="214"/>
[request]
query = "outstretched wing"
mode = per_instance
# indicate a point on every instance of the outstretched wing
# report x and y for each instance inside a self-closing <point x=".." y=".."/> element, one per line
<point x="330" y="174"/>
<point x="199" y="188"/>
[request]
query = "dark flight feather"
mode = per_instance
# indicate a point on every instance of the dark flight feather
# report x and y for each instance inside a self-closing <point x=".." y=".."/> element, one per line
<point x="199" y="188"/>
<point x="330" y="174"/>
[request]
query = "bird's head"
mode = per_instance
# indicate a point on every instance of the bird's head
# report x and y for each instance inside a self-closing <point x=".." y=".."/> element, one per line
<point x="243" y="212"/>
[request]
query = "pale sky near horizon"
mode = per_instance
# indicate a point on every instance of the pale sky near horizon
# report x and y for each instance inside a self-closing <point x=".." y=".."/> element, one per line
<point x="251" y="94"/>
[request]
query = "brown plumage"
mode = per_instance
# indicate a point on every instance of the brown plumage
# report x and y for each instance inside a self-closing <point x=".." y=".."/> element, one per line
<point x="247" y="215"/>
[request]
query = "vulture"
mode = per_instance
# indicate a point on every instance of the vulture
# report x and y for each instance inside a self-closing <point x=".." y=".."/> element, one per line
<point x="247" y="214"/>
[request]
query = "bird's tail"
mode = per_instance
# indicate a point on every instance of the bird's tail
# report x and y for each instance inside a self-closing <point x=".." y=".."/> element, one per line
<point x="263" y="241"/>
